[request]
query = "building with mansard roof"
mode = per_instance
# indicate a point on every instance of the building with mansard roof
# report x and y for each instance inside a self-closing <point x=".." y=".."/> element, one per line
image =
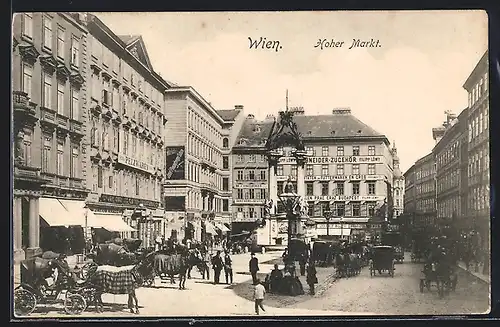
<point x="349" y="174"/>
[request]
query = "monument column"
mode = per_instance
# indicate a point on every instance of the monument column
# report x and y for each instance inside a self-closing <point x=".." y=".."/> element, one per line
<point x="301" y="158"/>
<point x="273" y="159"/>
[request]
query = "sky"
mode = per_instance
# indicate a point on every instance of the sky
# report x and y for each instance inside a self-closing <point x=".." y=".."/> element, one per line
<point x="400" y="88"/>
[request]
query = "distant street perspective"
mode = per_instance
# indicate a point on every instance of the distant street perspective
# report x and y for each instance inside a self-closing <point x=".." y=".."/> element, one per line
<point x="135" y="196"/>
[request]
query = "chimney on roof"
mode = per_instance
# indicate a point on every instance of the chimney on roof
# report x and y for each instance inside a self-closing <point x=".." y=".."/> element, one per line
<point x="238" y="106"/>
<point x="341" y="111"/>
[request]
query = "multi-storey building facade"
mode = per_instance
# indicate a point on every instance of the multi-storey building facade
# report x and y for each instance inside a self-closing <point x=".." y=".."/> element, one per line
<point x="194" y="187"/>
<point x="348" y="173"/>
<point x="451" y="166"/>
<point x="478" y="151"/>
<point x="425" y="191"/>
<point x="126" y="133"/>
<point x="398" y="185"/>
<point x="49" y="113"/>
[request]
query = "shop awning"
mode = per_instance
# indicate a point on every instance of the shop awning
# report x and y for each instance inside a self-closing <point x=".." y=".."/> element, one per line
<point x="223" y="228"/>
<point x="55" y="214"/>
<point x="334" y="231"/>
<point x="113" y="223"/>
<point x="209" y="228"/>
<point x="77" y="209"/>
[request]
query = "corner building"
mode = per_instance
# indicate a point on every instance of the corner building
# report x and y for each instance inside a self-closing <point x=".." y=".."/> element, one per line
<point x="49" y="115"/>
<point x="126" y="132"/>
<point x="196" y="189"/>
<point x="349" y="173"/>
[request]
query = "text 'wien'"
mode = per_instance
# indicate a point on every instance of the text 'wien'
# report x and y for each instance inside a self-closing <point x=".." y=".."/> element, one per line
<point x="264" y="44"/>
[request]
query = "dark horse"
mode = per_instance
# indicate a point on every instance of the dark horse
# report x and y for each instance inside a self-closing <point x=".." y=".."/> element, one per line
<point x="120" y="282"/>
<point x="172" y="264"/>
<point x="197" y="259"/>
<point x="114" y="255"/>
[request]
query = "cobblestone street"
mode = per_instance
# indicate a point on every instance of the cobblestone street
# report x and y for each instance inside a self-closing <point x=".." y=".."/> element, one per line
<point x="360" y="295"/>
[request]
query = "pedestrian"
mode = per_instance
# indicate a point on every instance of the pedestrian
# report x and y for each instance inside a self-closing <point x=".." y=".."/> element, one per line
<point x="311" y="278"/>
<point x="217" y="265"/>
<point x="302" y="264"/>
<point x="253" y="267"/>
<point x="258" y="295"/>
<point x="228" y="268"/>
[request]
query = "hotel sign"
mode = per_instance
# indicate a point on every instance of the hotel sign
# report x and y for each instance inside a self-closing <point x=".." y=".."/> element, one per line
<point x="345" y="198"/>
<point x="131" y="162"/>
<point x="335" y="160"/>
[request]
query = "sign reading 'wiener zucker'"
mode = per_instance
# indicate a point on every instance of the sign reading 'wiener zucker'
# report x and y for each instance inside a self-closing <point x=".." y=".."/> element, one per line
<point x="175" y="163"/>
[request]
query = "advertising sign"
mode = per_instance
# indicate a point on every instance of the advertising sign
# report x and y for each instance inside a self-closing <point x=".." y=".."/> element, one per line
<point x="175" y="163"/>
<point x="344" y="198"/>
<point x="131" y="162"/>
<point x="335" y="160"/>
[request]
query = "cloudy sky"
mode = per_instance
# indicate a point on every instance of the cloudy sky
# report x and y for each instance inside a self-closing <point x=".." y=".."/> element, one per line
<point x="401" y="88"/>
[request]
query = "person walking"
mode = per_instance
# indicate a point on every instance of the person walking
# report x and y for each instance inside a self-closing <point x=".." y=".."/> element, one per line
<point x="217" y="265"/>
<point x="311" y="278"/>
<point x="253" y="267"/>
<point x="302" y="264"/>
<point x="258" y="295"/>
<point x="228" y="268"/>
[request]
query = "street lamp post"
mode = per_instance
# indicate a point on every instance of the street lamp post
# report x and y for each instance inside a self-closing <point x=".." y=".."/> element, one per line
<point x="341" y="228"/>
<point x="327" y="216"/>
<point x="290" y="200"/>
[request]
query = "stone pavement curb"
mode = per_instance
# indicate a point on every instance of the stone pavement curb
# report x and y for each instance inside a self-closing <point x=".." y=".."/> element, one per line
<point x="478" y="276"/>
<point x="326" y="284"/>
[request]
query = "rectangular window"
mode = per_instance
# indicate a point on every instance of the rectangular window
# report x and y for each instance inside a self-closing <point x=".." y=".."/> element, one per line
<point x="310" y="151"/>
<point x="106" y="98"/>
<point x="60" y="158"/>
<point x="324" y="170"/>
<point x="240" y="175"/>
<point x="47" y="91"/>
<point x="371" y="169"/>
<point x="252" y="158"/>
<point x="99" y="177"/>
<point x="324" y="151"/>
<point x="251" y="175"/>
<point x="27" y="79"/>
<point x="371" y="209"/>
<point x="309" y="170"/>
<point x="309" y="188"/>
<point x="225" y="162"/>
<point x="225" y="184"/>
<point x="371" y="188"/>
<point x="279" y="170"/>
<point x="240" y="194"/>
<point x="27" y="148"/>
<point x="115" y="139"/>
<point x="75" y="153"/>
<point x="47" y="32"/>
<point x="340" y="169"/>
<point x="340" y="151"/>
<point x="46" y="156"/>
<point x="355" y="188"/>
<point x="60" y="98"/>
<point x="356" y="209"/>
<point x="75" y="104"/>
<point x="355" y="150"/>
<point x="75" y="51"/>
<point x="324" y="188"/>
<point x="28" y="25"/>
<point x="262" y="175"/>
<point x="371" y="150"/>
<point x="355" y="169"/>
<point x="251" y="193"/>
<point x="340" y="209"/>
<point x="137" y="186"/>
<point x="110" y="181"/>
<point x="340" y="188"/>
<point x="294" y="171"/>
<point x="225" y="205"/>
<point x="60" y="42"/>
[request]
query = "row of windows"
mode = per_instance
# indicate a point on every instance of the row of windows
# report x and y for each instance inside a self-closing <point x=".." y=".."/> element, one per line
<point x="478" y="162"/>
<point x="450" y="180"/>
<point x="118" y="98"/>
<point x="196" y="173"/>
<point x="478" y="122"/>
<point x="125" y="183"/>
<point x="205" y="130"/>
<point x="62" y="39"/>
<point x="426" y="205"/>
<point x="62" y="158"/>
<point x="479" y="198"/>
<point x="129" y="74"/>
<point x="251" y="194"/>
<point x="425" y="171"/>
<point x="200" y="148"/>
<point x="428" y="186"/>
<point x="450" y="154"/>
<point x="240" y="158"/>
<point x="449" y="207"/>
<point x="478" y="90"/>
<point x="355" y="150"/>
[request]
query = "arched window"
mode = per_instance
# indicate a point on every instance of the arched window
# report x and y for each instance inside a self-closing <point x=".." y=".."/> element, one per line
<point x="225" y="143"/>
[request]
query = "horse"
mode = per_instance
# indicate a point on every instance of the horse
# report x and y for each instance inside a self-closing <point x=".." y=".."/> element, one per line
<point x="114" y="255"/>
<point x="198" y="260"/>
<point x="171" y="265"/>
<point x="120" y="282"/>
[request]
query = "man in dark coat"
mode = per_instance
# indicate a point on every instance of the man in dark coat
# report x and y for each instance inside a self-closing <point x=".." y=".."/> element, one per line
<point x="228" y="267"/>
<point x="311" y="278"/>
<point x="253" y="267"/>
<point x="217" y="265"/>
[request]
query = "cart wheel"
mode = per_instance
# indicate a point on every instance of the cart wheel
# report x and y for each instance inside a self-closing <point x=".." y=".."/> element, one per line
<point x="74" y="304"/>
<point x="422" y="285"/>
<point x="24" y="302"/>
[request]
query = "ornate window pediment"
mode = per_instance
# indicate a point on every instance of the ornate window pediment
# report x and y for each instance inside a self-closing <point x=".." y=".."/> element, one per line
<point x="76" y="78"/>
<point x="49" y="63"/>
<point x="28" y="52"/>
<point x="63" y="72"/>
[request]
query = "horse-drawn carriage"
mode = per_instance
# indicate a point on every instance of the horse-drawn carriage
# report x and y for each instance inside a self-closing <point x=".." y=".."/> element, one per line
<point x="44" y="280"/>
<point x="323" y="253"/>
<point x="382" y="260"/>
<point x="443" y="275"/>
